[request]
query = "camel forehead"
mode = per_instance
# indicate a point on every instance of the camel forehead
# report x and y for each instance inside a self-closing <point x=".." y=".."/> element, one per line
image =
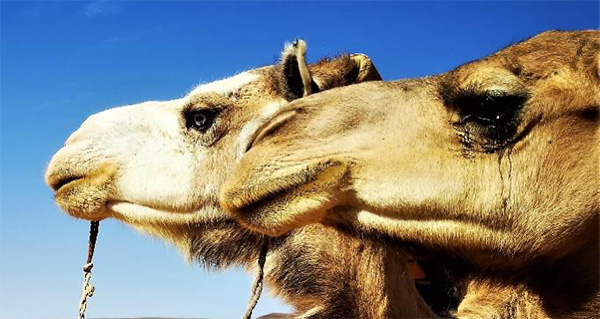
<point x="245" y="92"/>
<point x="534" y="67"/>
<point x="539" y="56"/>
<point x="227" y="85"/>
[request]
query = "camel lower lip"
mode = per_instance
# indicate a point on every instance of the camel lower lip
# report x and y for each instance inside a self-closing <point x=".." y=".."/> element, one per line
<point x="142" y="213"/>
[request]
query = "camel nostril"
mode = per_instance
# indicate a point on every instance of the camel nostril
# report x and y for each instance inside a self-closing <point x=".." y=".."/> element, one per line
<point x="270" y="127"/>
<point x="57" y="184"/>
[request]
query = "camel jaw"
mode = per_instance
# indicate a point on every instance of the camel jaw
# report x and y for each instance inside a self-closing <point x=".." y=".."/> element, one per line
<point x="91" y="192"/>
<point x="135" y="213"/>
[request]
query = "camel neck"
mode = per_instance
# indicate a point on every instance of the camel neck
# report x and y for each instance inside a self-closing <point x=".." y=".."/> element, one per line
<point x="223" y="244"/>
<point x="565" y="288"/>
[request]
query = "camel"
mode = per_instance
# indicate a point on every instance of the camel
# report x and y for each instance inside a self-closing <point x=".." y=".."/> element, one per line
<point x="159" y="167"/>
<point x="489" y="170"/>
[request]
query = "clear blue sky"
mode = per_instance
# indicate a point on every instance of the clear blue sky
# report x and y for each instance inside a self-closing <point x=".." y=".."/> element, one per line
<point x="62" y="61"/>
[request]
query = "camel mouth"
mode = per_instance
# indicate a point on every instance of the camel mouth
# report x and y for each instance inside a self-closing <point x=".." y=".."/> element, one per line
<point x="61" y="182"/>
<point x="82" y="194"/>
<point x="306" y="190"/>
<point x="251" y="197"/>
<point x="270" y="126"/>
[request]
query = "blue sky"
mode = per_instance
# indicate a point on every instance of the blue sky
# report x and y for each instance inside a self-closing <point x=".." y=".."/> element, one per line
<point x="63" y="61"/>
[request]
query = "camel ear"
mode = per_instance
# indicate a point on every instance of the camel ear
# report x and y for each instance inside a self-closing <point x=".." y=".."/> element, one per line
<point x="299" y="79"/>
<point x="344" y="70"/>
<point x="296" y="80"/>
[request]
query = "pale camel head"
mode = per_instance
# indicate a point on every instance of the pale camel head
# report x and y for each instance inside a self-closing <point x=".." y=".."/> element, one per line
<point x="497" y="158"/>
<point x="159" y="167"/>
<point x="162" y="163"/>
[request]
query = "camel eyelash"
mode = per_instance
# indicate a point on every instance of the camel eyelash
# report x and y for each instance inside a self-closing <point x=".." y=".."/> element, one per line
<point x="491" y="108"/>
<point x="201" y="120"/>
<point x="487" y="120"/>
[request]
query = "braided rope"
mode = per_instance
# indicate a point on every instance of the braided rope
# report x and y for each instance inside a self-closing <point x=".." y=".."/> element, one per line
<point x="87" y="290"/>
<point x="257" y="285"/>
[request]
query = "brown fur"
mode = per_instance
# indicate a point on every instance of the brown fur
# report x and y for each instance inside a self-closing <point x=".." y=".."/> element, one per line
<point x="489" y="170"/>
<point x="312" y="270"/>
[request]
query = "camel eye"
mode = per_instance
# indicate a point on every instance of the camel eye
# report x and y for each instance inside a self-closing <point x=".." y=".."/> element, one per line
<point x="494" y="109"/>
<point x="201" y="120"/>
<point x="488" y="120"/>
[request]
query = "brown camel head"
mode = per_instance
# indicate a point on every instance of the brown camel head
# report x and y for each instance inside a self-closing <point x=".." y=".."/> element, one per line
<point x="498" y="157"/>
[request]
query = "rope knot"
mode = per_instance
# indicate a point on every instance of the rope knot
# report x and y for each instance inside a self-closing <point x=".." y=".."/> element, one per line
<point x="88" y="267"/>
